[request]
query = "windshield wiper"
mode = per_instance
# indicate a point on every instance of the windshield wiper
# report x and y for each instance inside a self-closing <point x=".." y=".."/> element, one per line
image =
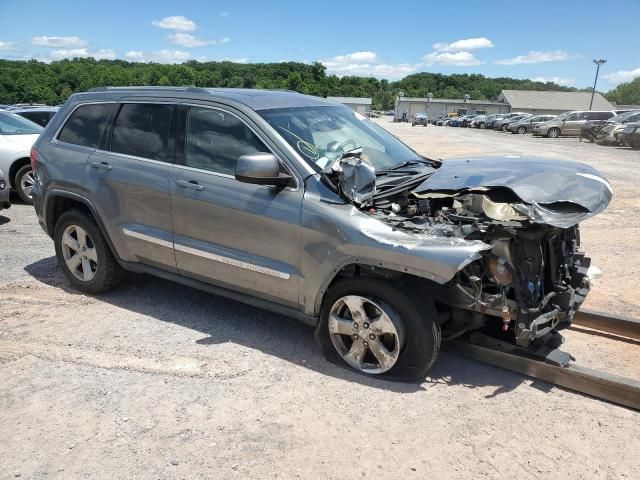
<point x="402" y="165"/>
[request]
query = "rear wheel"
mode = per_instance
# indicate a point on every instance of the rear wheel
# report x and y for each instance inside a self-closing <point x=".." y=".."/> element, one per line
<point x="522" y="130"/>
<point x="378" y="329"/>
<point x="482" y="125"/>
<point x="553" y="133"/>
<point x="505" y="128"/>
<point x="83" y="253"/>
<point x="24" y="182"/>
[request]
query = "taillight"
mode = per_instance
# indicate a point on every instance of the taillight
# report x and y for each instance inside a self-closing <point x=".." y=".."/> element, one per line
<point x="33" y="155"/>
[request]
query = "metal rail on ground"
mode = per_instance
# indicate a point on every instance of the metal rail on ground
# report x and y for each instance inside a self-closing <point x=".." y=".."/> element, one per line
<point x="613" y="388"/>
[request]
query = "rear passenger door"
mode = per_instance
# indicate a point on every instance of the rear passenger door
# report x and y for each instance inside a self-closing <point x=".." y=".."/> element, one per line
<point x="130" y="182"/>
<point x="237" y="235"/>
<point x="573" y="123"/>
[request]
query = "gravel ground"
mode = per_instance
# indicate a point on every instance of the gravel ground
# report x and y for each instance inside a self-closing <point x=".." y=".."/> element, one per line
<point x="156" y="380"/>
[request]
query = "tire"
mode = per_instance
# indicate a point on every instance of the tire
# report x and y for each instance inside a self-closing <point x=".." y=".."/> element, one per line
<point x="23" y="183"/>
<point x="482" y="125"/>
<point x="417" y="333"/>
<point x="101" y="272"/>
<point x="522" y="130"/>
<point x="413" y="124"/>
<point x="553" y="133"/>
<point x="505" y="128"/>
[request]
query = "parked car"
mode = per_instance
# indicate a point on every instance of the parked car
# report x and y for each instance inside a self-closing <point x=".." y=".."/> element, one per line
<point x="475" y="123"/>
<point x="609" y="133"/>
<point x="420" y="119"/>
<point x="526" y="124"/>
<point x="466" y="120"/>
<point x="442" y="120"/>
<point x="300" y="205"/>
<point x="17" y="135"/>
<point x="630" y="136"/>
<point x="4" y="192"/>
<point x="570" y="123"/>
<point x="39" y="115"/>
<point x="491" y="120"/>
<point x="503" y="123"/>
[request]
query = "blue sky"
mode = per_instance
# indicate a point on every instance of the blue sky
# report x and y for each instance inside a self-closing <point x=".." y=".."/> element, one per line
<point x="538" y="39"/>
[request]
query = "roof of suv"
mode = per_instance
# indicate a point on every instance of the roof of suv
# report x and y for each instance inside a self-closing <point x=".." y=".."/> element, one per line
<point x="253" y="98"/>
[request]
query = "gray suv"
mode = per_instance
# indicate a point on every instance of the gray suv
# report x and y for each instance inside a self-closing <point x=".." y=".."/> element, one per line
<point x="302" y="206"/>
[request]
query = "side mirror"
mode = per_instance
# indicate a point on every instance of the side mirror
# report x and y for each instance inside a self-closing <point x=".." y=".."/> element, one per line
<point x="261" y="169"/>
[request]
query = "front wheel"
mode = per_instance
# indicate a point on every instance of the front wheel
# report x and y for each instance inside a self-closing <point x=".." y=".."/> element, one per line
<point x="24" y="182"/>
<point x="378" y="329"/>
<point x="482" y="125"/>
<point x="522" y="130"/>
<point x="553" y="133"/>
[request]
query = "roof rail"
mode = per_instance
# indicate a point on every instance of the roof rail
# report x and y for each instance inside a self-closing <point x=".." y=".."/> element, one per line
<point x="150" y="87"/>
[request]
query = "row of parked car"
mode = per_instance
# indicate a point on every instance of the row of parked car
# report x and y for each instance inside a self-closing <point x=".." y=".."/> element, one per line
<point x="20" y="126"/>
<point x="608" y="127"/>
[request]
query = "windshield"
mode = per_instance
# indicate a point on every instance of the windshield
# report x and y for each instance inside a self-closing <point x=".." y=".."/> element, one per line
<point x="622" y="116"/>
<point x="322" y="135"/>
<point x="11" y="124"/>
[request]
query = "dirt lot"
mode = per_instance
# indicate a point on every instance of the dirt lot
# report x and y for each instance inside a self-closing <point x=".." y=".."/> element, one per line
<point x="156" y="380"/>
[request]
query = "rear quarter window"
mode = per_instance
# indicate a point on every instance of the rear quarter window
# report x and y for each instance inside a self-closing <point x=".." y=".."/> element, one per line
<point x="88" y="125"/>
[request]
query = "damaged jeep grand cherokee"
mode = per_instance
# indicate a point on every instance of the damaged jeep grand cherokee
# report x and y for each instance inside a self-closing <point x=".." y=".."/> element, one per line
<point x="304" y="207"/>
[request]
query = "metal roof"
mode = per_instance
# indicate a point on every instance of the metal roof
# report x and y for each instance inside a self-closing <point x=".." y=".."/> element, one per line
<point x="449" y="100"/>
<point x="352" y="100"/>
<point x="561" y="101"/>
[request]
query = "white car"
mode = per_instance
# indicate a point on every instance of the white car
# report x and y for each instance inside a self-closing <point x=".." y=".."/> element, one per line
<point x="17" y="135"/>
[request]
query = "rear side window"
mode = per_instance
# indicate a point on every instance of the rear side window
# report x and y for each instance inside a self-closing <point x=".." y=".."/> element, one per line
<point x="41" y="118"/>
<point x="144" y="130"/>
<point x="88" y="124"/>
<point x="216" y="139"/>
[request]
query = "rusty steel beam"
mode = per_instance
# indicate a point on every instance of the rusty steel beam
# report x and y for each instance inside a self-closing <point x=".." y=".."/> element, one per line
<point x="612" y="324"/>
<point x="605" y="386"/>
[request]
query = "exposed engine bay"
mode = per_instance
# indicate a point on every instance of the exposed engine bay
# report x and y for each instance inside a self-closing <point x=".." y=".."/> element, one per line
<point x="532" y="277"/>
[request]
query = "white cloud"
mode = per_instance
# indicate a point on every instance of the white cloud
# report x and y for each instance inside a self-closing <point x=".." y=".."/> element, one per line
<point x="463" y="59"/>
<point x="160" y="56"/>
<point x="59" y="42"/>
<point x="366" y="63"/>
<point x="190" y="41"/>
<point x="6" y="46"/>
<point x="464" y="45"/>
<point x="535" y="57"/>
<point x="556" y="80"/>
<point x="102" y="54"/>
<point x="177" y="23"/>
<point x="622" y="76"/>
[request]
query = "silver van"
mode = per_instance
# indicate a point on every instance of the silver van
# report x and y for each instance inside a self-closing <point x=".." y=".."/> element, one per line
<point x="304" y="207"/>
<point x="570" y="123"/>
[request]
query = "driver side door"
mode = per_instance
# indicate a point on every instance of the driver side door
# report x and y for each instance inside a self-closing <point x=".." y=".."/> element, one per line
<point x="236" y="235"/>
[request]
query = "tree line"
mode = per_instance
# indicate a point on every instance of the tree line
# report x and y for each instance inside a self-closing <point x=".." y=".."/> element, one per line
<point x="51" y="83"/>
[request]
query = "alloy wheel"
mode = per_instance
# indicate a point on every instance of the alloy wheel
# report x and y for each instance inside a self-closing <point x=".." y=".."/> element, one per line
<point x="79" y="253"/>
<point x="26" y="183"/>
<point x="367" y="334"/>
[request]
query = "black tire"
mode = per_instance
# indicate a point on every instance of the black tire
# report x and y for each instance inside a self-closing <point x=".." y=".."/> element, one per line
<point x="505" y="128"/>
<point x="422" y="335"/>
<point x="555" y="134"/>
<point x="18" y="181"/>
<point x="108" y="272"/>
<point x="482" y="125"/>
<point x="522" y="130"/>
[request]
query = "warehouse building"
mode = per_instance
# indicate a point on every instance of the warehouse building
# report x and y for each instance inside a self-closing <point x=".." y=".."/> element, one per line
<point x="407" y="107"/>
<point x="359" y="104"/>
<point x="531" y="101"/>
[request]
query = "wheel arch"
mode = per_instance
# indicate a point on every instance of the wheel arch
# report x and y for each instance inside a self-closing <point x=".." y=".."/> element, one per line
<point x="16" y="165"/>
<point x="59" y="201"/>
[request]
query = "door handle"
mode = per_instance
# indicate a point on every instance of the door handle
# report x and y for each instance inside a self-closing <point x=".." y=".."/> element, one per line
<point x="192" y="184"/>
<point x="104" y="165"/>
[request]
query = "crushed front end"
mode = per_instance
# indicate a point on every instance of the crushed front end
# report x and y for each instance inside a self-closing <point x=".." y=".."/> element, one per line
<point x="532" y="278"/>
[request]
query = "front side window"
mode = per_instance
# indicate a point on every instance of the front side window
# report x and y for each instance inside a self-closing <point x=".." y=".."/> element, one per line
<point x="11" y="124"/>
<point x="88" y="124"/>
<point x="216" y="139"/>
<point x="144" y="130"/>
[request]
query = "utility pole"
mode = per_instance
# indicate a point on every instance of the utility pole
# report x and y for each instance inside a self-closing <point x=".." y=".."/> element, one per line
<point x="598" y="63"/>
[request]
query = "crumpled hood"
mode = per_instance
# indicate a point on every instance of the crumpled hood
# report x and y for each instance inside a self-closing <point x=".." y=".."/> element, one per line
<point x="556" y="192"/>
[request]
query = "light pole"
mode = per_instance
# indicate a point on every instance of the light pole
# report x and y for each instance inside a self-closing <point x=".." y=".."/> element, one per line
<point x="598" y="63"/>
